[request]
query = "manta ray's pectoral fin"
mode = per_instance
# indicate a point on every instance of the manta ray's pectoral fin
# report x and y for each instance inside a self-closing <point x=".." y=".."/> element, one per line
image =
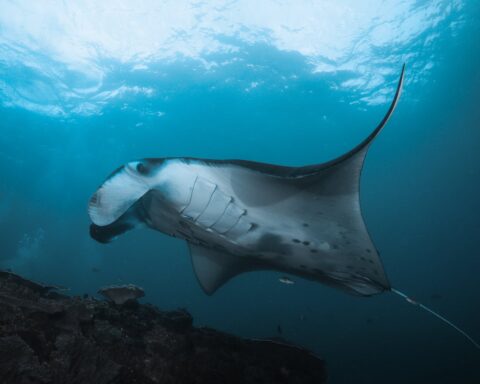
<point x="214" y="268"/>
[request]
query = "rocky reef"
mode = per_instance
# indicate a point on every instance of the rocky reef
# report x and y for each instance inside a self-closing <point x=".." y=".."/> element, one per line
<point x="48" y="337"/>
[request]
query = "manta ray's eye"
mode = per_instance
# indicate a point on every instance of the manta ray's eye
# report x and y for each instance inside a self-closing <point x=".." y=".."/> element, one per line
<point x="141" y="168"/>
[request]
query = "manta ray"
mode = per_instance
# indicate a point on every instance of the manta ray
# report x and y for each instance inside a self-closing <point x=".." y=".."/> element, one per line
<point x="238" y="216"/>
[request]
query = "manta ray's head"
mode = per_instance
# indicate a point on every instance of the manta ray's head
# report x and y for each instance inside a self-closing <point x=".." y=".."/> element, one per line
<point x="122" y="189"/>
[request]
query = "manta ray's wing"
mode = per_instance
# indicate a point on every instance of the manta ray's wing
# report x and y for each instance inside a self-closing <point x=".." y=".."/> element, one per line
<point x="321" y="208"/>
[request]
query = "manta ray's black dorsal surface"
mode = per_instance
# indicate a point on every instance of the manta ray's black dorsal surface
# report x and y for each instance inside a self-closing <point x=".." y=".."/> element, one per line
<point x="239" y="216"/>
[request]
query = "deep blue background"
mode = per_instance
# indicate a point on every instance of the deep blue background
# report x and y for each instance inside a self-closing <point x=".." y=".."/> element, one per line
<point x="419" y="193"/>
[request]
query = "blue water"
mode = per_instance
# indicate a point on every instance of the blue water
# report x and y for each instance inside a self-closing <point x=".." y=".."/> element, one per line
<point x="79" y="97"/>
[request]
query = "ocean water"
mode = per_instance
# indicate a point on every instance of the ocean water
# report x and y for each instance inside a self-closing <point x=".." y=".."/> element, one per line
<point x="87" y="87"/>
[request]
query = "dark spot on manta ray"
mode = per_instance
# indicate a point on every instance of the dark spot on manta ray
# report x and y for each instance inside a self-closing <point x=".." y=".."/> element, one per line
<point x="369" y="250"/>
<point x="350" y="267"/>
<point x="306" y="243"/>
<point x="272" y="243"/>
<point x="303" y="266"/>
<point x="335" y="246"/>
<point x="313" y="250"/>
<point x="370" y="261"/>
<point x="305" y="225"/>
<point x="296" y="240"/>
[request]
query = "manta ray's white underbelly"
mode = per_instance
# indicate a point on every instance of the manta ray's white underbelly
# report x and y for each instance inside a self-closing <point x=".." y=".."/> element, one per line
<point x="205" y="208"/>
<point x="206" y="202"/>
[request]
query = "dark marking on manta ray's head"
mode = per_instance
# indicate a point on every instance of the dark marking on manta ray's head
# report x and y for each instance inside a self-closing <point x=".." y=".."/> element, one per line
<point x="146" y="166"/>
<point x="141" y="168"/>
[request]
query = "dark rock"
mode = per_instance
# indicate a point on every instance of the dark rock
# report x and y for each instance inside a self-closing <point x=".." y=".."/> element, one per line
<point x="179" y="319"/>
<point x="53" y="338"/>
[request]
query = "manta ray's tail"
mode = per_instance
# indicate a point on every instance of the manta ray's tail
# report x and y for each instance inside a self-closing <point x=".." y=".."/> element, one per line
<point x="416" y="303"/>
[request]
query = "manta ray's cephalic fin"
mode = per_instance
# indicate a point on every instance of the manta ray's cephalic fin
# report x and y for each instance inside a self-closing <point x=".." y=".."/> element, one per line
<point x="133" y="217"/>
<point x="116" y="195"/>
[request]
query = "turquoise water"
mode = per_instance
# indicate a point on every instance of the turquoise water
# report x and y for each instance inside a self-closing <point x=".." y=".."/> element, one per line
<point x="85" y="88"/>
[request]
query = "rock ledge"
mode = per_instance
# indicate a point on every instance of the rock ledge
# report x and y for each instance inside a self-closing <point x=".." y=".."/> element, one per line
<point x="47" y="337"/>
